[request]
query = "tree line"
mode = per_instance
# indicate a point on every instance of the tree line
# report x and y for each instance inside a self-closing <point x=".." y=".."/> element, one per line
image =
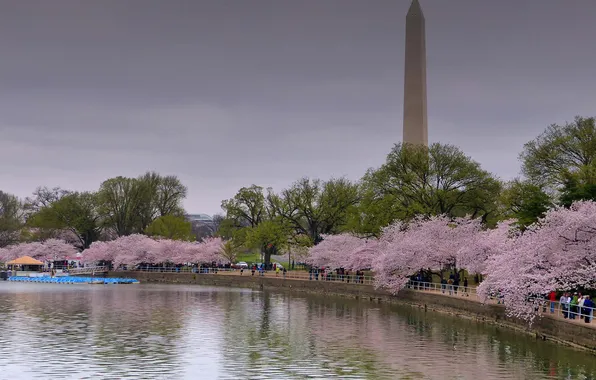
<point x="558" y="168"/>
<point x="150" y="204"/>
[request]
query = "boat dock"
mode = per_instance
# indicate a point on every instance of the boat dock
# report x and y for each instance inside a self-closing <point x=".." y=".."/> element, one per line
<point x="73" y="280"/>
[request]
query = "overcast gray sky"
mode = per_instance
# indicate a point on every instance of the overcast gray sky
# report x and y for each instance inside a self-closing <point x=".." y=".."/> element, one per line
<point x="227" y="93"/>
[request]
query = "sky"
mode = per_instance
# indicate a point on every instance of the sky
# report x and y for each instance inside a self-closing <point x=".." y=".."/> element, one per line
<point x="228" y="93"/>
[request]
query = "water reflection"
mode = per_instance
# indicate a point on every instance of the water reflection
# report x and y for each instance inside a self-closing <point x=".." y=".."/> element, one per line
<point x="191" y="332"/>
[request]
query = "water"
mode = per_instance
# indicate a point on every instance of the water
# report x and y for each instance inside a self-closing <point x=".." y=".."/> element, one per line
<point x="146" y="331"/>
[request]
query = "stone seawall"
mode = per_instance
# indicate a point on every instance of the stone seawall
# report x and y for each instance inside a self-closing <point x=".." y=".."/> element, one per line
<point x="545" y="328"/>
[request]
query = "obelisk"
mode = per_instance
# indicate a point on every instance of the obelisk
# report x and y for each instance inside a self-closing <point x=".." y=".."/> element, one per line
<point x="415" y="120"/>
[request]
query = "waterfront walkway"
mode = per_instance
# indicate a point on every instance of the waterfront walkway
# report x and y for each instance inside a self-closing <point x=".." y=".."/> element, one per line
<point x="468" y="293"/>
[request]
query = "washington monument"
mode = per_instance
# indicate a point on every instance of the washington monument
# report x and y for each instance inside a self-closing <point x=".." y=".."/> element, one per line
<point x="415" y="122"/>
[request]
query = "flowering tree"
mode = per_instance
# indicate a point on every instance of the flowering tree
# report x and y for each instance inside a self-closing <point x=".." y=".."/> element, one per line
<point x="56" y="249"/>
<point x="483" y="245"/>
<point x="49" y="250"/>
<point x="425" y="244"/>
<point x="334" y="251"/>
<point x="172" y="251"/>
<point x="136" y="249"/>
<point x="132" y="249"/>
<point x="98" y="251"/>
<point x="211" y="250"/>
<point x="557" y="253"/>
<point x="362" y="256"/>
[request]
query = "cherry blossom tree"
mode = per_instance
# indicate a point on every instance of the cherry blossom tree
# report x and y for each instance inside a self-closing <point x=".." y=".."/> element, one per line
<point x="334" y="251"/>
<point x="211" y="250"/>
<point x="483" y="245"/>
<point x="98" y="251"/>
<point x="56" y="249"/>
<point x="173" y="251"/>
<point x="131" y="249"/>
<point x="425" y="244"/>
<point x="557" y="253"/>
<point x="362" y="257"/>
<point x="49" y="250"/>
<point x="135" y="249"/>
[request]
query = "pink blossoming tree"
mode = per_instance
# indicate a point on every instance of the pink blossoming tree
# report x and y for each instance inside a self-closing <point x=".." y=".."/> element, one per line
<point x="137" y="249"/>
<point x="49" y="250"/>
<point x="334" y="251"/>
<point x="484" y="245"/>
<point x="430" y="245"/>
<point x="557" y="253"/>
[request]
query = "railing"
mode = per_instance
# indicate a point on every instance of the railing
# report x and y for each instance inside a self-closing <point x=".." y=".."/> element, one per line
<point x="181" y="269"/>
<point x="88" y="270"/>
<point x="546" y="307"/>
<point x="294" y="275"/>
<point x="447" y="289"/>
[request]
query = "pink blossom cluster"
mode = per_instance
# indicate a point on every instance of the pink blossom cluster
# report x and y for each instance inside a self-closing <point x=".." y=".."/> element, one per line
<point x="51" y="249"/>
<point x="136" y="249"/>
<point x="432" y="244"/>
<point x="558" y="253"/>
<point x="343" y="251"/>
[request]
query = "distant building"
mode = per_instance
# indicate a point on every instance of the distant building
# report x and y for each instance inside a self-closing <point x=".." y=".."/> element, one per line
<point x="202" y="225"/>
<point x="199" y="218"/>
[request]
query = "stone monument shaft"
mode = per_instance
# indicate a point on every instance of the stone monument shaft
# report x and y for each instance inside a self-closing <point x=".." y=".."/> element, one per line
<point x="415" y="117"/>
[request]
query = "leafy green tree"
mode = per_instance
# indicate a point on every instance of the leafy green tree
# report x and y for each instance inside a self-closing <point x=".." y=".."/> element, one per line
<point x="11" y="219"/>
<point x="129" y="205"/>
<point x="524" y="201"/>
<point x="439" y="179"/>
<point x="161" y="195"/>
<point x="561" y="151"/>
<point x="373" y="212"/>
<point x="314" y="207"/>
<point x="171" y="227"/>
<point x="230" y="250"/>
<point x="269" y="236"/>
<point x="121" y="202"/>
<point x="247" y="208"/>
<point x="74" y="212"/>
<point x="576" y="190"/>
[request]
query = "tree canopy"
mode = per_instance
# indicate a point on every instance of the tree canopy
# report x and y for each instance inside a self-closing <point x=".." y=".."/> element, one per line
<point x="562" y="151"/>
<point x="436" y="180"/>
<point x="129" y="205"/>
<point x="11" y="219"/>
<point x="524" y="201"/>
<point x="171" y="227"/>
<point x="74" y="212"/>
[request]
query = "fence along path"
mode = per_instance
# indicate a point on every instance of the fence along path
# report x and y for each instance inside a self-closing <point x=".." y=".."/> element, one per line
<point x="87" y="270"/>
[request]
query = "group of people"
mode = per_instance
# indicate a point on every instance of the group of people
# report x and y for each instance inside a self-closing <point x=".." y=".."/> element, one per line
<point x="574" y="305"/>
<point x="261" y="269"/>
<point x="453" y="284"/>
<point x="327" y="274"/>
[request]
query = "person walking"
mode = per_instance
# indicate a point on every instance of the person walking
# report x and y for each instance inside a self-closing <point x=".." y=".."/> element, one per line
<point x="573" y="306"/>
<point x="564" y="301"/>
<point x="552" y="297"/>
<point x="588" y="311"/>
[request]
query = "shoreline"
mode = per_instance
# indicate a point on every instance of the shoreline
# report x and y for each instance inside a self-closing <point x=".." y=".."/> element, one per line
<point x="544" y="328"/>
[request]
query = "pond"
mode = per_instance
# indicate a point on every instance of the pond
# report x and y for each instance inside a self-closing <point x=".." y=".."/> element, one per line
<point x="51" y="331"/>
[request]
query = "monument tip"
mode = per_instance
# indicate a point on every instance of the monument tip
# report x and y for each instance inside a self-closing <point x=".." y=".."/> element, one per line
<point x="415" y="9"/>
